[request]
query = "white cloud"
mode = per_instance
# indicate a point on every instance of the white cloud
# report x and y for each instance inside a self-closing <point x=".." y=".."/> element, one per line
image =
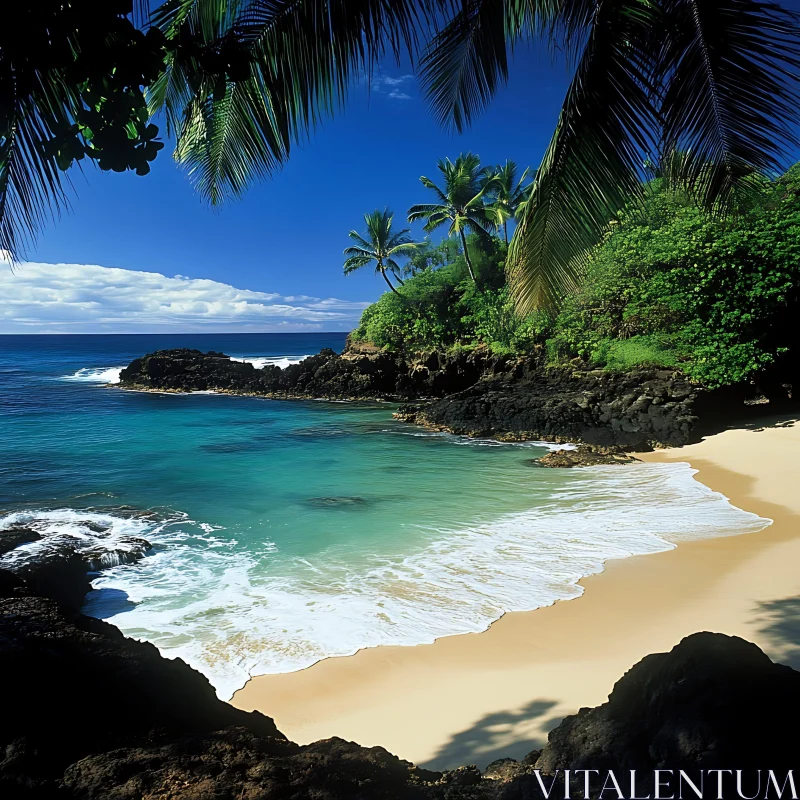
<point x="84" y="298"/>
<point x="386" y="84"/>
<point x="389" y="81"/>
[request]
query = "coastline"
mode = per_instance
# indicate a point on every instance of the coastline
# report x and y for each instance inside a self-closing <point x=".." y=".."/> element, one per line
<point x="477" y="697"/>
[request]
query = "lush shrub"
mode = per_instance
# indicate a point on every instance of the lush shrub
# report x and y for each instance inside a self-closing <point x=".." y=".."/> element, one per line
<point x="440" y="306"/>
<point x="669" y="286"/>
<point x="715" y="295"/>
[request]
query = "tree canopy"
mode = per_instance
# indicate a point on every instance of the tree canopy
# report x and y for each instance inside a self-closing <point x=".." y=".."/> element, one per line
<point x="241" y="81"/>
<point x="670" y="285"/>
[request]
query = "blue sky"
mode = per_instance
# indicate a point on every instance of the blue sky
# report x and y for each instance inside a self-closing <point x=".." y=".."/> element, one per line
<point x="286" y="236"/>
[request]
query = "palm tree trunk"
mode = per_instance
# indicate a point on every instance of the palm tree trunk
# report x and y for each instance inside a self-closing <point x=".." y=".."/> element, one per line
<point x="386" y="278"/>
<point x="467" y="258"/>
<point x="400" y="280"/>
<point x="505" y="231"/>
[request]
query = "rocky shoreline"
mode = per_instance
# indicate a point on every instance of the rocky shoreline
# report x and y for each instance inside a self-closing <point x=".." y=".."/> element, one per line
<point x="474" y="393"/>
<point x="89" y="713"/>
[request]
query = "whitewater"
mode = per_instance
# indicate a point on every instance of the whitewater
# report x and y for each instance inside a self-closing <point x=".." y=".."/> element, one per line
<point x="287" y="532"/>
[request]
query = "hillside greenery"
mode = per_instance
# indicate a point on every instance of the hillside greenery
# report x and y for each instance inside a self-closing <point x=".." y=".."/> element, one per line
<point x="670" y="286"/>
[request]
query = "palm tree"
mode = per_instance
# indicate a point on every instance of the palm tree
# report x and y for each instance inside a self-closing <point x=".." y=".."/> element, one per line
<point x="243" y="81"/>
<point x="718" y="79"/>
<point x="461" y="201"/>
<point x="381" y="246"/>
<point x="508" y="194"/>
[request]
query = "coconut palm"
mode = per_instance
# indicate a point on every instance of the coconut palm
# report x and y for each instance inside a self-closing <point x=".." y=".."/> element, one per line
<point x="461" y="201"/>
<point x="381" y="245"/>
<point x="245" y="80"/>
<point x="717" y="79"/>
<point x="508" y="194"/>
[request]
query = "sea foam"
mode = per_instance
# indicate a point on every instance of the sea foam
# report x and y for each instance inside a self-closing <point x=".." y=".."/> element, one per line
<point x="95" y="375"/>
<point x="233" y="612"/>
<point x="259" y="362"/>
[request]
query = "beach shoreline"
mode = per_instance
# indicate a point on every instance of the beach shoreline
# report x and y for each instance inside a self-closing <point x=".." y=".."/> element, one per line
<point x="477" y="697"/>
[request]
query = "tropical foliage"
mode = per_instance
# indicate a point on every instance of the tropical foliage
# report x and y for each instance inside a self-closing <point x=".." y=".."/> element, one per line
<point x="241" y="81"/>
<point x="442" y="306"/>
<point x="460" y="202"/>
<point x="382" y="245"/>
<point x="669" y="286"/>
<point x="509" y="196"/>
<point x="72" y="80"/>
<point x="673" y="285"/>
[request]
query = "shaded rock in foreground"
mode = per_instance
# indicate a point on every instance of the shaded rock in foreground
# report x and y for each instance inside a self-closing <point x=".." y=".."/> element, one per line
<point x="712" y="702"/>
<point x="74" y="685"/>
<point x="237" y="764"/>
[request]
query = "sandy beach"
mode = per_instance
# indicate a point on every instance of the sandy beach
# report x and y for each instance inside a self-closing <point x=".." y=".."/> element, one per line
<point x="473" y="698"/>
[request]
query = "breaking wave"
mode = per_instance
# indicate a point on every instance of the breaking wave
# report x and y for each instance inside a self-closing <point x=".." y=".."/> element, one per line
<point x="233" y="611"/>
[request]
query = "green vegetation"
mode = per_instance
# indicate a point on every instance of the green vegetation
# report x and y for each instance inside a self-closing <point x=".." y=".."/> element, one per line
<point x="461" y="201"/>
<point x="441" y="306"/>
<point x="670" y="285"/>
<point x="241" y="82"/>
<point x="673" y="285"/>
<point x="381" y="246"/>
<point x="510" y="195"/>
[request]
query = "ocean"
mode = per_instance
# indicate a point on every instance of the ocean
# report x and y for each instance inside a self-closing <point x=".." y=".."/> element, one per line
<point x="285" y="532"/>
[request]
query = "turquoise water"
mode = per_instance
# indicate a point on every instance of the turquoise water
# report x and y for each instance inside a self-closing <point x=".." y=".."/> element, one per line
<point x="290" y="531"/>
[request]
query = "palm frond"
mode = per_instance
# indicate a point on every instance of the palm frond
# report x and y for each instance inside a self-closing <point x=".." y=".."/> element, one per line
<point x="356" y="236"/>
<point x="481" y="221"/>
<point x="32" y="190"/>
<point x="294" y="62"/>
<point x="590" y="169"/>
<point x="467" y="61"/>
<point x="364" y="252"/>
<point x="730" y="101"/>
<point x="356" y="262"/>
<point x="224" y="141"/>
<point x="425" y="210"/>
<point x="435" y="221"/>
<point x="402" y="248"/>
<point x="429" y="184"/>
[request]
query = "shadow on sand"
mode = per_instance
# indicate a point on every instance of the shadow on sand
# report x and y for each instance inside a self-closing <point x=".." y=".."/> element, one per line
<point x="779" y="621"/>
<point x="504" y="734"/>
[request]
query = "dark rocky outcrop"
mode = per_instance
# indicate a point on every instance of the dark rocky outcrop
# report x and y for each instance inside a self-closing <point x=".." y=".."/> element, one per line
<point x="235" y="763"/>
<point x="636" y="409"/>
<point x="712" y="702"/>
<point x="472" y="393"/>
<point x="60" y="574"/>
<point x="352" y="375"/>
<point x="58" y="568"/>
<point x="583" y="456"/>
<point x="11" y="538"/>
<point x="73" y="686"/>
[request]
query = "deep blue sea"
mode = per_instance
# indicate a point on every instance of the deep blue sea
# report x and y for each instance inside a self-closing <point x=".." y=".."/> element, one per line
<point x="286" y="531"/>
